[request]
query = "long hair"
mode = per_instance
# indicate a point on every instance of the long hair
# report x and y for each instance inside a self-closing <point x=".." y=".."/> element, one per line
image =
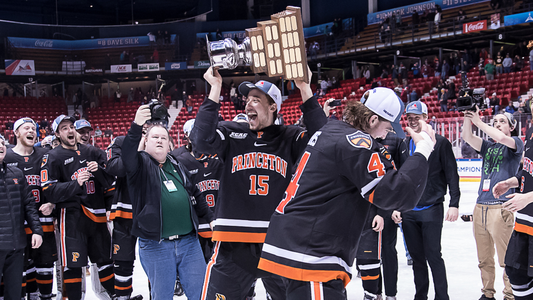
<point x="358" y="115"/>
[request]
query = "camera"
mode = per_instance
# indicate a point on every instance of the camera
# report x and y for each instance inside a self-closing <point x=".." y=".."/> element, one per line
<point x="159" y="113"/>
<point x="468" y="98"/>
<point x="334" y="103"/>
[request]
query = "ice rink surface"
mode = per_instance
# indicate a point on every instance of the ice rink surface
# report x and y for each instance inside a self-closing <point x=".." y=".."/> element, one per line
<point x="458" y="251"/>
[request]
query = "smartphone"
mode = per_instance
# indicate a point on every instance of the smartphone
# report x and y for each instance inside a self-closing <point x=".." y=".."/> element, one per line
<point x="335" y="103"/>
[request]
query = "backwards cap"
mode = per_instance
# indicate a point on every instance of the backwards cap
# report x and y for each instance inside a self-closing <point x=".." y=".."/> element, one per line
<point x="266" y="87"/>
<point x="21" y="121"/>
<point x="386" y="104"/>
<point x="188" y="126"/>
<point x="61" y="118"/>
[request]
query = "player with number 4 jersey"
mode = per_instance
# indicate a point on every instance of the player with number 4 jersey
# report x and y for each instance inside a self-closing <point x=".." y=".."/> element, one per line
<point x="314" y="233"/>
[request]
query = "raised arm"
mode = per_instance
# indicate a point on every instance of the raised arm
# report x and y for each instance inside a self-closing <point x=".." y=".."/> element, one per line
<point x="494" y="133"/>
<point x="130" y="153"/>
<point x="474" y="141"/>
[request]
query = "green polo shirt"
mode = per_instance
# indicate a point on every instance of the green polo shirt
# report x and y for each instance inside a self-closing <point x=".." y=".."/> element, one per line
<point x="175" y="206"/>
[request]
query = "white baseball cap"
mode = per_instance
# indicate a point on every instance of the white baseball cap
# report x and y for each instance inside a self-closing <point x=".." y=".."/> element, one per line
<point x="187" y="127"/>
<point x="266" y="87"/>
<point x="386" y="104"/>
<point x="21" y="121"/>
<point x="61" y="118"/>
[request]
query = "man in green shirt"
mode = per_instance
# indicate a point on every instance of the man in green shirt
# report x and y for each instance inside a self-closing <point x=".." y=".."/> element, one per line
<point x="489" y="70"/>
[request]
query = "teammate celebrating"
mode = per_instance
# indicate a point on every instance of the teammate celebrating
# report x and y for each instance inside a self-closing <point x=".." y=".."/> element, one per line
<point x="39" y="262"/>
<point x="258" y="159"/>
<point x="70" y="174"/>
<point x="84" y="129"/>
<point x="314" y="233"/>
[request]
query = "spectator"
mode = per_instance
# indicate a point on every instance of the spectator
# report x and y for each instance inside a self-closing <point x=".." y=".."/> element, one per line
<point x="159" y="38"/>
<point x="531" y="59"/>
<point x="44" y="123"/>
<point x="495" y="104"/>
<point x="413" y="96"/>
<point x="108" y="132"/>
<point x="438" y="16"/>
<point x="313" y="49"/>
<point x="426" y="69"/>
<point x="151" y="38"/>
<point x="455" y="63"/>
<point x="117" y="95"/>
<point x="393" y="23"/>
<point x="489" y="70"/>
<point x="481" y="67"/>
<point x="123" y="56"/>
<point x="510" y="108"/>
<point x="324" y="86"/>
<point x="499" y="63"/>
<point x="395" y="75"/>
<point x="484" y="54"/>
<point x="166" y="37"/>
<point x="130" y="95"/>
<point x="465" y="67"/>
<point x="507" y="63"/>
<point x="97" y="131"/>
<point x="76" y="115"/>
<point x="416" y="70"/>
<point x="445" y="69"/>
<point x="416" y="19"/>
<point x="438" y="67"/>
<point x="155" y="56"/>
<point x="493" y="225"/>
<point x="461" y="16"/>
<point x="189" y="103"/>
<point x="366" y="74"/>
<point x="403" y="73"/>
<point x="518" y="63"/>
<point x="384" y="74"/>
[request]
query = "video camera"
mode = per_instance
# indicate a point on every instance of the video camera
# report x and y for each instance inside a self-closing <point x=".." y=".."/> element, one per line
<point x="159" y="113"/>
<point x="469" y="98"/>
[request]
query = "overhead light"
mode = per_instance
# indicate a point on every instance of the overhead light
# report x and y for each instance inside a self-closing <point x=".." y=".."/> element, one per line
<point x="91" y="6"/>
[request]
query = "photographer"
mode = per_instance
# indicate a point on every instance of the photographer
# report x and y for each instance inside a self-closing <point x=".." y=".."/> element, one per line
<point x="166" y="207"/>
<point x="493" y="225"/>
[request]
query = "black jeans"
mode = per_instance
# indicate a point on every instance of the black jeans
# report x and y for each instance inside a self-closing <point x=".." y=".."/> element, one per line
<point x="11" y="268"/>
<point x="389" y="256"/>
<point x="422" y="231"/>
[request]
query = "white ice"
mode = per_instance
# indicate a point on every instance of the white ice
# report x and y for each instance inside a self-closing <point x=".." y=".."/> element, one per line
<point x="458" y="251"/>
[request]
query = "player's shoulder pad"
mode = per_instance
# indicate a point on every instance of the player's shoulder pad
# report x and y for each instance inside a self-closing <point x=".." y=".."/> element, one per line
<point x="360" y="139"/>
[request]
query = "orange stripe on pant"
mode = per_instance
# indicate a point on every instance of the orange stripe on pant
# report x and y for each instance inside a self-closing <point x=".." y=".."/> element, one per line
<point x="239" y="237"/>
<point x="107" y="278"/>
<point x="303" y="274"/>
<point x="122" y="288"/>
<point x="45" y="281"/>
<point x="208" y="270"/>
<point x="369" y="277"/>
<point x="523" y="228"/>
<point x="316" y="290"/>
<point x="73" y="280"/>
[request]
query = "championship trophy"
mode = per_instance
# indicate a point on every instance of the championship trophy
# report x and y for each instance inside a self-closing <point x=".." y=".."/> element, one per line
<point x="275" y="47"/>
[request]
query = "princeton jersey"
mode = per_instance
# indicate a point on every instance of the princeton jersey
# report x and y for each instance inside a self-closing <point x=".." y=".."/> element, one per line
<point x="257" y="169"/>
<point x="30" y="165"/>
<point x="205" y="174"/>
<point x="59" y="172"/>
<point x="524" y="217"/>
<point x="315" y="230"/>
<point x="121" y="205"/>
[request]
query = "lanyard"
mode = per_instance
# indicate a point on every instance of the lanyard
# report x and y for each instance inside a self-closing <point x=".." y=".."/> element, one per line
<point x="412" y="147"/>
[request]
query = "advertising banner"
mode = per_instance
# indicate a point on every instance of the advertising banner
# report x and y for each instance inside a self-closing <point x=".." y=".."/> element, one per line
<point x="202" y="64"/>
<point x="517" y="19"/>
<point x="94" y="71"/>
<point x="408" y="10"/>
<point x="176" y="65"/>
<point x="120" y="68"/>
<point x="148" y="67"/>
<point x="475" y="26"/>
<point x="19" y="67"/>
<point x="469" y="169"/>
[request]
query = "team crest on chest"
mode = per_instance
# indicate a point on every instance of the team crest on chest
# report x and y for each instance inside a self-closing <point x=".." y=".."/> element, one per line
<point x="16" y="180"/>
<point x="78" y="151"/>
<point x="26" y="159"/>
<point x="205" y="164"/>
<point x="360" y="140"/>
<point x="259" y="134"/>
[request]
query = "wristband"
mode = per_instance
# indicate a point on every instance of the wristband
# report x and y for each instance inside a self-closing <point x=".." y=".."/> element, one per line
<point x="424" y="147"/>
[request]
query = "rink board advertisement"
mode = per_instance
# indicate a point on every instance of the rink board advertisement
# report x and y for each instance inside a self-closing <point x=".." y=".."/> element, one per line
<point x="19" y="67"/>
<point x="120" y="68"/>
<point x="469" y="169"/>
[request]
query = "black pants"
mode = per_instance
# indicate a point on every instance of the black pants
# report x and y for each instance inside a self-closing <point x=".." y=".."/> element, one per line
<point x="389" y="256"/>
<point x="518" y="260"/>
<point x="422" y="231"/>
<point x="11" y="268"/>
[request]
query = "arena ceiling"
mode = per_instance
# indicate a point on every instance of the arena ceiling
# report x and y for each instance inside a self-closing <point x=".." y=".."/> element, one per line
<point x="99" y="12"/>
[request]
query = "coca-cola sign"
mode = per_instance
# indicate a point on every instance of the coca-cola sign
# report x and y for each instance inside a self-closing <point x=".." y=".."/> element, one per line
<point x="475" y="26"/>
<point x="44" y="43"/>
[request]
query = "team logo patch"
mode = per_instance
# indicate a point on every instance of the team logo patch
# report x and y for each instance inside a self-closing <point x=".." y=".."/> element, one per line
<point x="45" y="160"/>
<point x="220" y="296"/>
<point x="360" y="140"/>
<point x="68" y="161"/>
<point x="16" y="180"/>
<point x="116" y="247"/>
<point x="26" y="159"/>
<point x="78" y="151"/>
<point x="386" y="153"/>
<point x="205" y="164"/>
<point x="259" y="134"/>
<point x="75" y="256"/>
<point x="238" y="135"/>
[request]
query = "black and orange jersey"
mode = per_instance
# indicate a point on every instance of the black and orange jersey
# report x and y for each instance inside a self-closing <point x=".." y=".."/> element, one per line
<point x="121" y="206"/>
<point x="30" y="165"/>
<point x="315" y="230"/>
<point x="257" y="167"/>
<point x="524" y="217"/>
<point x="205" y="173"/>
<point x="59" y="172"/>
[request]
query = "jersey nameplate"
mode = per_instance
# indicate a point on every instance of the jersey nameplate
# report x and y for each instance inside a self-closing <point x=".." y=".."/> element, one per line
<point x="360" y="140"/>
<point x="238" y="135"/>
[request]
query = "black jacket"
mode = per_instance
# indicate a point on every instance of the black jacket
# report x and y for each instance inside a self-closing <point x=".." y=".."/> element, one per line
<point x="16" y="205"/>
<point x="442" y="174"/>
<point x="144" y="183"/>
